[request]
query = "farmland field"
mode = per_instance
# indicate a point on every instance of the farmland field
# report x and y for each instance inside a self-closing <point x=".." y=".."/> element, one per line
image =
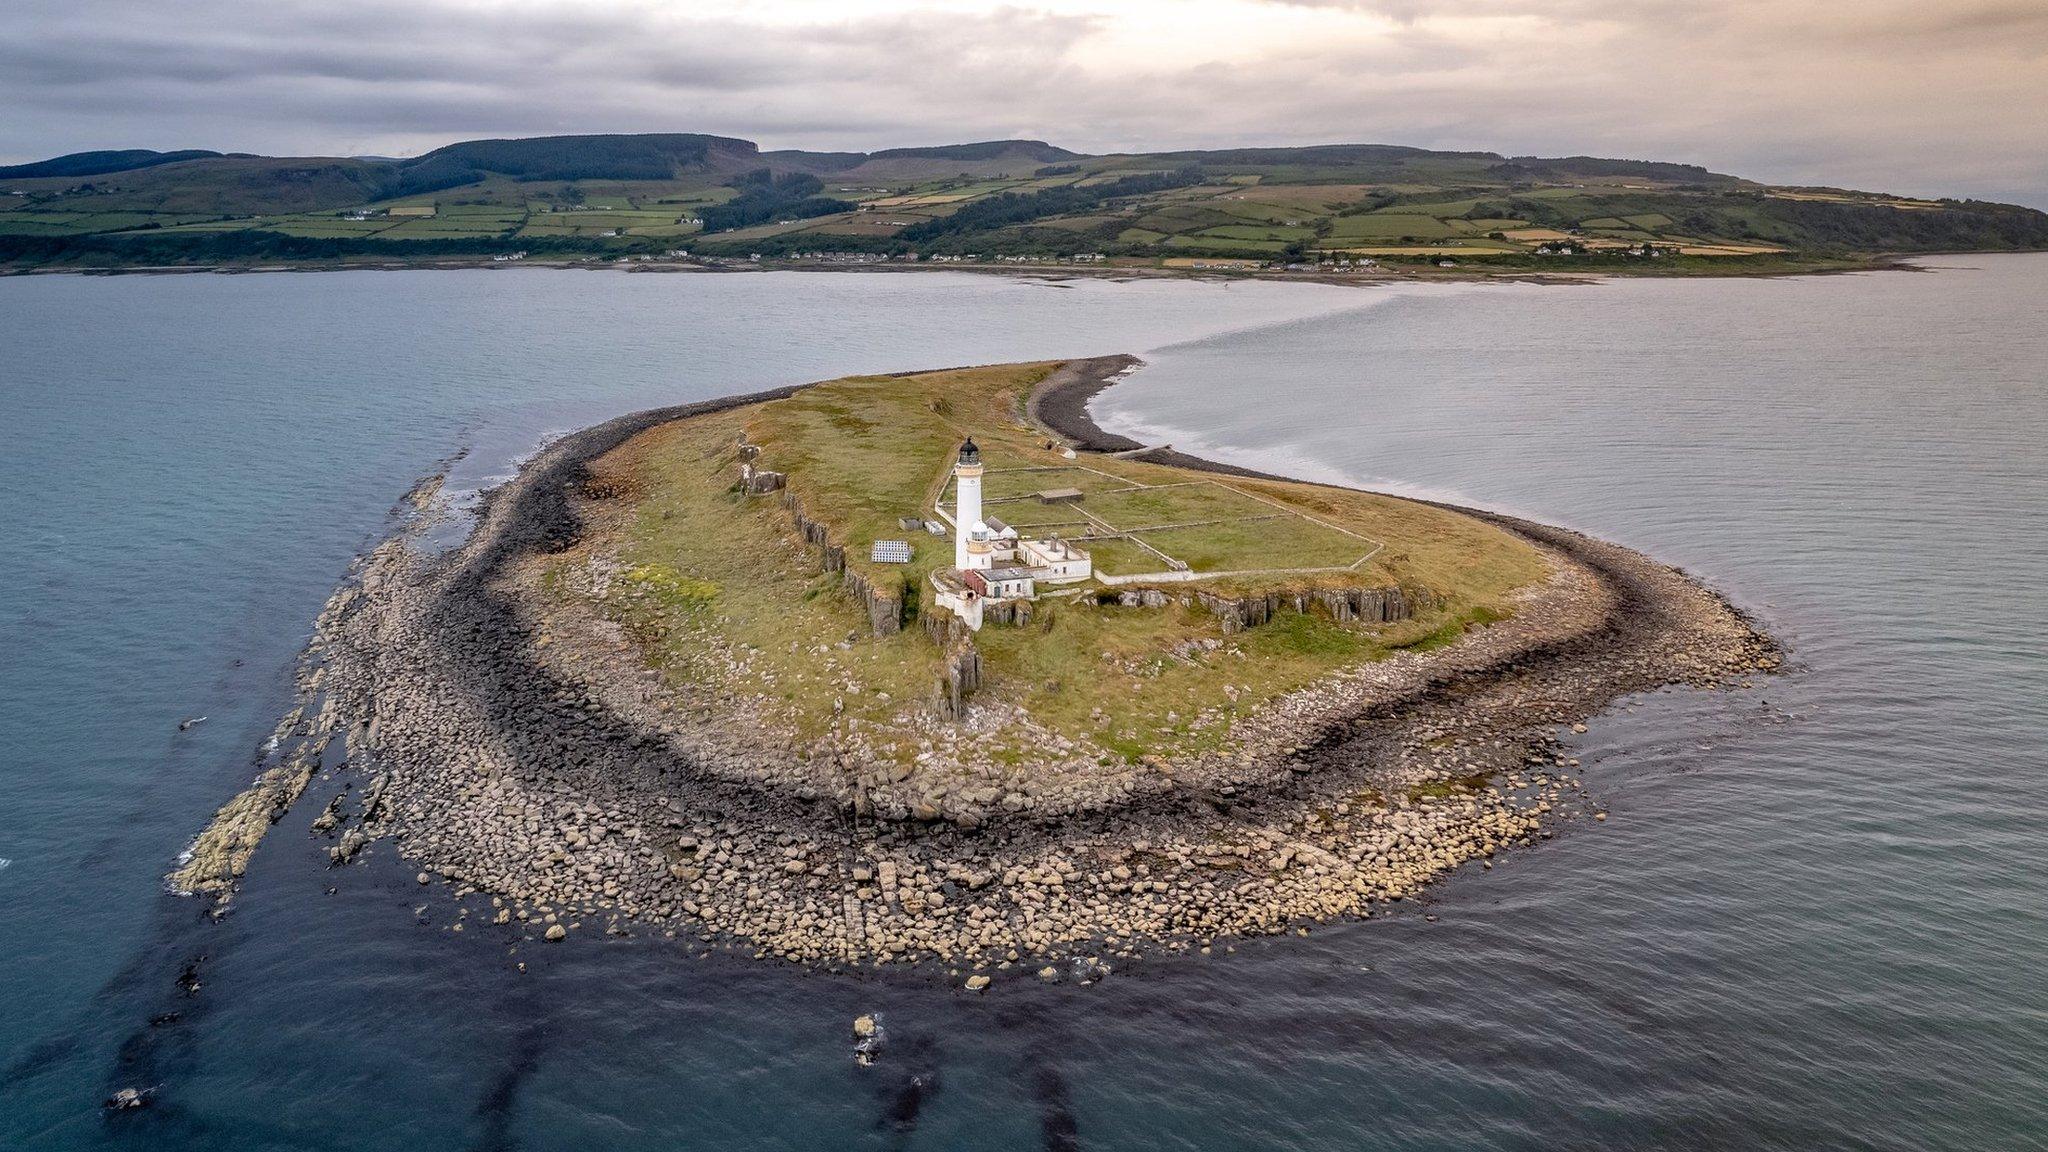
<point x="1218" y="244"/>
<point x="1389" y="226"/>
<point x="1253" y="210"/>
<point x="1249" y="232"/>
<point x="1300" y="197"/>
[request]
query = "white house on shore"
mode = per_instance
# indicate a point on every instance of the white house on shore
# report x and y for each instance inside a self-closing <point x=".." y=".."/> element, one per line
<point x="991" y="563"/>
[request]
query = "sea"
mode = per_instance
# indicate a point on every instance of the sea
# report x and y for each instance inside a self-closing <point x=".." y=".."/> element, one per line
<point x="1816" y="917"/>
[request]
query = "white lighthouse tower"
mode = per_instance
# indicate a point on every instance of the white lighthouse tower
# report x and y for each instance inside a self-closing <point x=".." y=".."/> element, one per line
<point x="967" y="505"/>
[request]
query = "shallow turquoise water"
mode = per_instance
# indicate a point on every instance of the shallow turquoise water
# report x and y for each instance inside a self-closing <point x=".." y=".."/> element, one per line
<point x="1814" y="919"/>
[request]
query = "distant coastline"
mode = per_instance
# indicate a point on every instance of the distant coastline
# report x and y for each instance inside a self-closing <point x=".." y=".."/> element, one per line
<point x="1345" y="210"/>
<point x="1464" y="274"/>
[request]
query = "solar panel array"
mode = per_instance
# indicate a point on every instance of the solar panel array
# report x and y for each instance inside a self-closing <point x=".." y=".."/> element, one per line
<point x="890" y="552"/>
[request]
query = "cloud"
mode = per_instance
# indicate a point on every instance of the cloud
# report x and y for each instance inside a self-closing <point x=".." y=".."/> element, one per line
<point x="1929" y="98"/>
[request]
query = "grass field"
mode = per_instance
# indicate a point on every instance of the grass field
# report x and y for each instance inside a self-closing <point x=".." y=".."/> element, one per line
<point x="1297" y="198"/>
<point x="1201" y="243"/>
<point x="1003" y="486"/>
<point x="1206" y="524"/>
<point x="1253" y="232"/>
<point x="717" y="589"/>
<point x="1389" y="226"/>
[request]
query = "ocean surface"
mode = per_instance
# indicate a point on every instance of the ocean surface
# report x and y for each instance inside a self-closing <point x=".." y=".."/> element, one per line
<point x="1815" y="917"/>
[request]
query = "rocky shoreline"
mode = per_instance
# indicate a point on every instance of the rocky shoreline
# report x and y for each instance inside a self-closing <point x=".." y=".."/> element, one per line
<point x="524" y="755"/>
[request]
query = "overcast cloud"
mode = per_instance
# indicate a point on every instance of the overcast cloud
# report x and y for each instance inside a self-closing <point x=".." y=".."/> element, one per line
<point x="1921" y="97"/>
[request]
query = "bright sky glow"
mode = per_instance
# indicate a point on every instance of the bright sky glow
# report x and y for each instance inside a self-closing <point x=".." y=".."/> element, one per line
<point x="1918" y="96"/>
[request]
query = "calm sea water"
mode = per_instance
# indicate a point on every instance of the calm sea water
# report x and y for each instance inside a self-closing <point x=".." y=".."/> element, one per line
<point x="1815" y="917"/>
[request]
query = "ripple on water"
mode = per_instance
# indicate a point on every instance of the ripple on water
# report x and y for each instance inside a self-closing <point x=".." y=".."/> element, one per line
<point x="1812" y="920"/>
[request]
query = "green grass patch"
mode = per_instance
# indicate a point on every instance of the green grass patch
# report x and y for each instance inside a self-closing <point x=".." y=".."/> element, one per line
<point x="1250" y="232"/>
<point x="1440" y="208"/>
<point x="1389" y="226"/>
<point x="1257" y="210"/>
<point x="1006" y="486"/>
<point x="674" y="589"/>
<point x="1231" y="247"/>
<point x="1180" y="503"/>
<point x="1280" y="542"/>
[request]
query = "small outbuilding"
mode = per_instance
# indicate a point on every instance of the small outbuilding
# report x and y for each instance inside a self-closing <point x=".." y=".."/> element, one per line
<point x="1001" y="583"/>
<point x="1059" y="496"/>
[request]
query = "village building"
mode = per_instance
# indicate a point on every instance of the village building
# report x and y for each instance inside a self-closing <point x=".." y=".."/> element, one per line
<point x="992" y="562"/>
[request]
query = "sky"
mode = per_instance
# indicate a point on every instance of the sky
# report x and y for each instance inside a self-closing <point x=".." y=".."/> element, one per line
<point x="1926" y="97"/>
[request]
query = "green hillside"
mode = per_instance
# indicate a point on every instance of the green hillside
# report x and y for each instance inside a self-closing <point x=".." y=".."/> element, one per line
<point x="99" y="163"/>
<point x="1343" y="206"/>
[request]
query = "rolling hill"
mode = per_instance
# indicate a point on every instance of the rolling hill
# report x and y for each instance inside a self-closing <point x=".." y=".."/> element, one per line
<point x="1347" y="206"/>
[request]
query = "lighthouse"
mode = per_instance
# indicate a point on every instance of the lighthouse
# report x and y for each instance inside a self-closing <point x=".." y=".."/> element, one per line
<point x="994" y="567"/>
<point x="967" y="504"/>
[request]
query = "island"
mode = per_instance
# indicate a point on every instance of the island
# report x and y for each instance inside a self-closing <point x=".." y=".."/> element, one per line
<point x="929" y="668"/>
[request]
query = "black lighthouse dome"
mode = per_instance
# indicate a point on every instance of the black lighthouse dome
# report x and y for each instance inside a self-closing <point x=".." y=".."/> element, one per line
<point x="969" y="454"/>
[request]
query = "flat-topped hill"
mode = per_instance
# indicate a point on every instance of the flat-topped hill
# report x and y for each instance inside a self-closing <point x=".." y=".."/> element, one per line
<point x="1158" y="660"/>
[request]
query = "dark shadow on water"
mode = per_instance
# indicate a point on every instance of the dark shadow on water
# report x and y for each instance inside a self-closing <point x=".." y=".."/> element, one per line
<point x="1060" y="1130"/>
<point x="156" y="998"/>
<point x="498" y="1107"/>
<point x="1062" y="1133"/>
<point x="913" y="1081"/>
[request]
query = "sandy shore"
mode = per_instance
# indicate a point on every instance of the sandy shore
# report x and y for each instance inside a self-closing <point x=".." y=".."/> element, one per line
<point x="524" y="755"/>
